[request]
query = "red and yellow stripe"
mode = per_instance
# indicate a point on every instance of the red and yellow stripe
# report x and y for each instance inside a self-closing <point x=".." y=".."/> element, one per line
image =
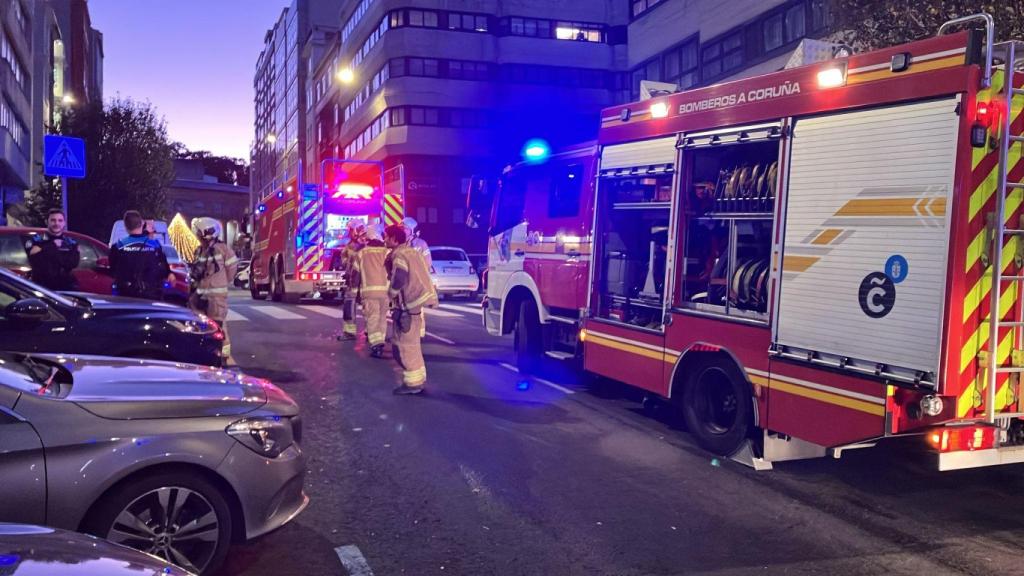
<point x="976" y="304"/>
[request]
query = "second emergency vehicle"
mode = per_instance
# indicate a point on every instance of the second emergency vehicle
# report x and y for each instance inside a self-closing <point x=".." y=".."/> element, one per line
<point x="301" y="227"/>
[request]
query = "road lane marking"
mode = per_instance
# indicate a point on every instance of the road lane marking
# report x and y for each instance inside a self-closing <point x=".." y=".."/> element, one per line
<point x="278" y="313"/>
<point x="547" y="383"/>
<point x="235" y="317"/>
<point x="441" y="338"/>
<point x="332" y="312"/>
<point x="353" y="561"/>
<point x="442" y="313"/>
<point x="456" y="308"/>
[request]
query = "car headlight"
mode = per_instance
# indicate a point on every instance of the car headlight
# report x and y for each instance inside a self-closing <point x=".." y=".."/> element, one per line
<point x="268" y="435"/>
<point x="203" y="325"/>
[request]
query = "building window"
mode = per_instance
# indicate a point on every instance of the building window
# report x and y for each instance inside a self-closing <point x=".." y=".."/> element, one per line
<point x="423" y="67"/>
<point x="579" y="31"/>
<point x="680" y="65"/>
<point x="784" y="27"/>
<point x="467" y="22"/>
<point x="10" y="122"/>
<point x="462" y="70"/>
<point x="8" y="55"/>
<point x="722" y="56"/>
<point x="561" y="30"/>
<point x="354" y="19"/>
<point x="641" y="6"/>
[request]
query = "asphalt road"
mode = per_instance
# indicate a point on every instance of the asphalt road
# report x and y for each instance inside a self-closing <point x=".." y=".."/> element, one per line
<point x="489" y="473"/>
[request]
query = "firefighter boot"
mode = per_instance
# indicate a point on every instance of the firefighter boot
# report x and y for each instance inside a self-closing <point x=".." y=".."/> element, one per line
<point x="377" y="351"/>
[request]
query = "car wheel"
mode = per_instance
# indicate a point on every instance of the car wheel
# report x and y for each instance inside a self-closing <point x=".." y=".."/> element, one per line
<point x="529" y="349"/>
<point x="254" y="290"/>
<point x="181" y="518"/>
<point x="717" y="406"/>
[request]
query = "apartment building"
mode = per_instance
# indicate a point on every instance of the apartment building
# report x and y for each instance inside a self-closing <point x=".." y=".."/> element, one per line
<point x="15" y="102"/>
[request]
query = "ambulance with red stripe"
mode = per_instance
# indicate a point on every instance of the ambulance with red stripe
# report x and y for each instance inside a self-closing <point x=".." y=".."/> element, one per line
<point x="300" y="228"/>
<point x="803" y="262"/>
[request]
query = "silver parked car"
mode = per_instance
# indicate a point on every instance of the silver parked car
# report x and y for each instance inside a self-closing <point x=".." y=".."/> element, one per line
<point x="172" y="459"/>
<point x="27" y="550"/>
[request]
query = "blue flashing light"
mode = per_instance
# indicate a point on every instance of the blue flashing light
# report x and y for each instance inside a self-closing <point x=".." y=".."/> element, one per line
<point x="9" y="559"/>
<point x="280" y="194"/>
<point x="262" y="208"/>
<point x="523" y="385"/>
<point x="536" y="151"/>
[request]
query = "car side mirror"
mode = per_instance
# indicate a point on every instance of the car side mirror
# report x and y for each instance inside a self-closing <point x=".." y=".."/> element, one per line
<point x="28" y="310"/>
<point x="103" y="263"/>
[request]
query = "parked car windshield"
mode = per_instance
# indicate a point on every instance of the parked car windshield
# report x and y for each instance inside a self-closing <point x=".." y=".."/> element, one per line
<point x="28" y="289"/>
<point x="448" y="255"/>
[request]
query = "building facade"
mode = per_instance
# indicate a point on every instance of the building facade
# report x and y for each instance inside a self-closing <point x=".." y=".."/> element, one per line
<point x="15" y="102"/>
<point x="443" y="90"/>
<point x="279" y="94"/>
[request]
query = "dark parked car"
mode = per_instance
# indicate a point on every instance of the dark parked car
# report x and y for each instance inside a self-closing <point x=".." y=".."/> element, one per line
<point x="93" y="273"/>
<point x="172" y="459"/>
<point x="34" y="319"/>
<point x="27" y="550"/>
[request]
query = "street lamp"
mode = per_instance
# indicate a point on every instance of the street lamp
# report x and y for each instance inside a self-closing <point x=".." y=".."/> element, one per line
<point x="271" y="138"/>
<point x="68" y="99"/>
<point x="346" y="75"/>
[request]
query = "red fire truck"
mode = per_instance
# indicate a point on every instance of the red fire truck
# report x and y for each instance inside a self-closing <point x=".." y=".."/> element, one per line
<point x="803" y="262"/>
<point x="300" y="228"/>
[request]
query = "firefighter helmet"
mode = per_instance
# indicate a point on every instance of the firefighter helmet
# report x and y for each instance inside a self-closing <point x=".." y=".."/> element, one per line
<point x="410" y="223"/>
<point x="207" y="227"/>
<point x="373" y="232"/>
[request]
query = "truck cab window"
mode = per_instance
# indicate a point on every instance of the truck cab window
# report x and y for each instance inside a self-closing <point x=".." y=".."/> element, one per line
<point x="633" y="228"/>
<point x="728" y="206"/>
<point x="511" y="202"/>
<point x="564" y="200"/>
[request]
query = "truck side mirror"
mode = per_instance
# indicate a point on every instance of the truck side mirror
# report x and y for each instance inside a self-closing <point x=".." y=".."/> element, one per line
<point x="479" y="198"/>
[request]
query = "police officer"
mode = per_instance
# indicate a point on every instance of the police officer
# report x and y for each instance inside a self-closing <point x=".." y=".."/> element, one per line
<point x="212" y="272"/>
<point x="411" y="290"/>
<point x="138" y="262"/>
<point x="53" y="255"/>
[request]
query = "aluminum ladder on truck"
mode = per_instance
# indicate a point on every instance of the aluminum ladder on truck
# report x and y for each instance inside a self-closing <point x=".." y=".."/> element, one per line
<point x="1012" y="55"/>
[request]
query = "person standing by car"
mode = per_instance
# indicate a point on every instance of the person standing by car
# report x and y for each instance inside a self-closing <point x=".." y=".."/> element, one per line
<point x="373" y="289"/>
<point x="138" y="262"/>
<point x="53" y="255"/>
<point x="411" y="290"/>
<point x="212" y="272"/>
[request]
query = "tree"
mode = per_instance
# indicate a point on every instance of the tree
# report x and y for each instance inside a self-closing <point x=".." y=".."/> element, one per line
<point x="227" y="170"/>
<point x="128" y="161"/>
<point x="870" y="24"/>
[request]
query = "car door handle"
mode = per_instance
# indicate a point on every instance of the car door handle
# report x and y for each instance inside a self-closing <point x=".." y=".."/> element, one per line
<point x="520" y="253"/>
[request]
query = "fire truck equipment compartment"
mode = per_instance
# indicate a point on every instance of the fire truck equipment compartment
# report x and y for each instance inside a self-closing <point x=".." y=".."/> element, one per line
<point x="869" y="190"/>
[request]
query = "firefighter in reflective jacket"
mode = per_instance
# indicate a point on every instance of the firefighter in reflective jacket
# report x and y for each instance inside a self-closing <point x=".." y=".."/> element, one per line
<point x="356" y="233"/>
<point x="411" y="290"/>
<point x="372" y="280"/>
<point x="212" y="272"/>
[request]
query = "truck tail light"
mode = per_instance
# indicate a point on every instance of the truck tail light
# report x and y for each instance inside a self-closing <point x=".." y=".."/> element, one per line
<point x="960" y="438"/>
<point x="984" y="114"/>
<point x="309" y="276"/>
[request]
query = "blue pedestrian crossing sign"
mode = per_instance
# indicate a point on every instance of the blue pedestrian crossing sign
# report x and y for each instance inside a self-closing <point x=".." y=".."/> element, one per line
<point x="63" y="156"/>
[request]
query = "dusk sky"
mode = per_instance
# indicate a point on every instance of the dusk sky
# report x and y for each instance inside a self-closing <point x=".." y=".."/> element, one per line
<point x="193" y="59"/>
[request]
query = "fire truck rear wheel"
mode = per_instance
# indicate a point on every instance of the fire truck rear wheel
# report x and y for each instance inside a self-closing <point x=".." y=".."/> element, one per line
<point x="254" y="289"/>
<point x="717" y="406"/>
<point x="529" y="349"/>
<point x="276" y="285"/>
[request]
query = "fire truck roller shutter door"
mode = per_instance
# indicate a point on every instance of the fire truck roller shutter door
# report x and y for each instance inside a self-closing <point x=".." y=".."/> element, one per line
<point x="867" y="189"/>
